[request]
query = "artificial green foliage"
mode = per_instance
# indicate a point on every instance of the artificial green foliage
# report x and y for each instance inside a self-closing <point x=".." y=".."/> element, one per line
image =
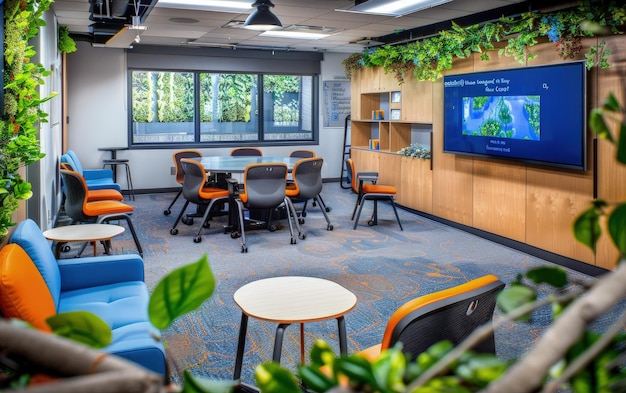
<point x="66" y="43"/>
<point x="194" y="384"/>
<point x="415" y="150"/>
<point x="429" y="57"/>
<point x="272" y="378"/>
<point x="181" y="291"/>
<point x="515" y="296"/>
<point x="81" y="326"/>
<point x="587" y="229"/>
<point x="19" y="144"/>
<point x="553" y="276"/>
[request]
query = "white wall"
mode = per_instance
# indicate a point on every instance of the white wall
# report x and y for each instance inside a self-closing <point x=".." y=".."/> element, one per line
<point x="98" y="118"/>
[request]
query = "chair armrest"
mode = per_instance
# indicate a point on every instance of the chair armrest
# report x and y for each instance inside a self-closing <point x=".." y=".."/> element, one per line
<point x="90" y="174"/>
<point x="367" y="176"/>
<point x="89" y="272"/>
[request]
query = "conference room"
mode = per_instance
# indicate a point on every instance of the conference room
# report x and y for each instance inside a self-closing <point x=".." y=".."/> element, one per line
<point x="190" y="79"/>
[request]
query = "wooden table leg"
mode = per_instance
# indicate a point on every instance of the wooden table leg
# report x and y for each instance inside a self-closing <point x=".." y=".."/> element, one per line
<point x="302" y="343"/>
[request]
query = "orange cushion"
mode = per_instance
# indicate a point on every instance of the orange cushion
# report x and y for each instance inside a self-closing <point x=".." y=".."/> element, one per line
<point x="212" y="193"/>
<point x="378" y="189"/>
<point x="99" y="208"/>
<point x="104" y="195"/>
<point x="23" y="291"/>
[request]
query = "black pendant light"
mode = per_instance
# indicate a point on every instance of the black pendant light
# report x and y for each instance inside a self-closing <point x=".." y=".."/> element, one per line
<point x="262" y="19"/>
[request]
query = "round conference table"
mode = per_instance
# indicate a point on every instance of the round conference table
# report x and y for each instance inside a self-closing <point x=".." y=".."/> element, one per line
<point x="237" y="164"/>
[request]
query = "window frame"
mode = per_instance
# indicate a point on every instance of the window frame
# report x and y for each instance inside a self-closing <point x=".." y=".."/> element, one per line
<point x="197" y="123"/>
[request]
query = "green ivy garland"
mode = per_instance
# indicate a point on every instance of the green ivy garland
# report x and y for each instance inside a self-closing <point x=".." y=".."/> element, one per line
<point x="19" y="145"/>
<point x="428" y="58"/>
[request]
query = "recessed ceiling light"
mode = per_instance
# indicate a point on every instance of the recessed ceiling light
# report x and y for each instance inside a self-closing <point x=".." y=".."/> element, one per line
<point x="393" y="8"/>
<point x="208" y="5"/>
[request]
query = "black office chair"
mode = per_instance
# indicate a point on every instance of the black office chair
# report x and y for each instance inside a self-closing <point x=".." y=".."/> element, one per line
<point x="195" y="190"/>
<point x="451" y="314"/>
<point x="263" y="189"/>
<point x="246" y="151"/>
<point x="176" y="157"/>
<point x="307" y="184"/>
<point x="308" y="154"/>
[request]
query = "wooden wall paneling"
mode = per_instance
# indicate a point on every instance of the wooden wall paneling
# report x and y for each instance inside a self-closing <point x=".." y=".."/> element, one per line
<point x="417" y="100"/>
<point x="555" y="198"/>
<point x="387" y="82"/>
<point x="355" y="93"/>
<point x="611" y="175"/>
<point x="499" y="195"/>
<point x="370" y="80"/>
<point x="452" y="174"/>
<point x="365" y="160"/>
<point x="389" y="170"/>
<point x="416" y="184"/>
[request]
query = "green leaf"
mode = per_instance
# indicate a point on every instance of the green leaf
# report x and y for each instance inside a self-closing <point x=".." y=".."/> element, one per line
<point x="357" y="369"/>
<point x="611" y="103"/>
<point x="515" y="296"/>
<point x="621" y="145"/>
<point x="272" y="378"/>
<point x="554" y="276"/>
<point x="389" y="369"/>
<point x="314" y="379"/>
<point x="81" y="326"/>
<point x="201" y="385"/>
<point x="587" y="228"/>
<point x="321" y="354"/>
<point x="617" y="227"/>
<point x="181" y="291"/>
<point x="598" y="125"/>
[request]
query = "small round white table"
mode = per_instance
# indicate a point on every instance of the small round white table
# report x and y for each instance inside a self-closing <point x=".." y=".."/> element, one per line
<point x="90" y="233"/>
<point x="291" y="299"/>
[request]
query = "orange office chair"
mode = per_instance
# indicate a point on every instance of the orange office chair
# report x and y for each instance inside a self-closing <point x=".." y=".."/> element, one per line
<point x="196" y="191"/>
<point x="451" y="314"/>
<point x="370" y="191"/>
<point x="177" y="156"/>
<point x="307" y="184"/>
<point x="308" y="154"/>
<point x="79" y="209"/>
<point x="263" y="189"/>
<point x="95" y="195"/>
<point x="246" y="151"/>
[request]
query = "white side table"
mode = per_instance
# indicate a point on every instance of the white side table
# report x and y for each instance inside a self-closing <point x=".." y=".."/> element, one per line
<point x="90" y="233"/>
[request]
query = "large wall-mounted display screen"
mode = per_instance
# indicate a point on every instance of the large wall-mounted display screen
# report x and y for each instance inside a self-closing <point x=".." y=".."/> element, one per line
<point x="532" y="114"/>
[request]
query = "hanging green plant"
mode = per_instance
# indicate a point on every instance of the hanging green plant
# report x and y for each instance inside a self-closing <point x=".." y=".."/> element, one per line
<point x="66" y="43"/>
<point x="352" y="63"/>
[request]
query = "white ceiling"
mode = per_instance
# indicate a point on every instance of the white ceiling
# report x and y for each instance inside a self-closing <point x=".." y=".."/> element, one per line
<point x="206" y="28"/>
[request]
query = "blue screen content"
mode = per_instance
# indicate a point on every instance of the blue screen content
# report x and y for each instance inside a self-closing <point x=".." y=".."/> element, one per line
<point x="532" y="114"/>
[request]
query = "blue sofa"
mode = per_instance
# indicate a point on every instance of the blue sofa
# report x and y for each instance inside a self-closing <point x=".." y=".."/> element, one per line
<point x="34" y="285"/>
<point x="96" y="179"/>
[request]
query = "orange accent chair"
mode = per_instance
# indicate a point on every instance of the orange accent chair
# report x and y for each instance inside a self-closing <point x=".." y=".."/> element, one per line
<point x="79" y="209"/>
<point x="97" y="195"/>
<point x="196" y="191"/>
<point x="370" y="191"/>
<point x="180" y="175"/>
<point x="450" y="314"/>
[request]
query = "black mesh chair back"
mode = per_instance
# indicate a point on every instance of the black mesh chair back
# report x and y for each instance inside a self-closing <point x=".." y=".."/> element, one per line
<point x="180" y="175"/>
<point x="452" y="315"/>
<point x="307" y="177"/>
<point x="302" y="153"/>
<point x="246" y="151"/>
<point x="75" y="196"/>
<point x="193" y="180"/>
<point x="264" y="185"/>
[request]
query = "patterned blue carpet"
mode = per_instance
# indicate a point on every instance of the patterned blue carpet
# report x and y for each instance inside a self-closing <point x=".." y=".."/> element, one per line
<point x="383" y="266"/>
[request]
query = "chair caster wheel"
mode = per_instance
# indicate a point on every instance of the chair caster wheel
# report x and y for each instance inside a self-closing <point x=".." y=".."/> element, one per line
<point x="303" y="214"/>
<point x="167" y="212"/>
<point x="370" y="223"/>
<point x="206" y="225"/>
<point x="301" y="236"/>
<point x="234" y="235"/>
<point x="329" y="228"/>
<point x="300" y="221"/>
<point x="272" y="228"/>
<point x="66" y="248"/>
<point x="197" y="239"/>
<point x="173" y="231"/>
<point x="293" y="241"/>
<point x="244" y="249"/>
<point x="187" y="220"/>
<point x="328" y="209"/>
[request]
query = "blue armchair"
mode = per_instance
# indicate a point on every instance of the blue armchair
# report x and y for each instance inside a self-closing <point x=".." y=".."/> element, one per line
<point x="34" y="285"/>
<point x="96" y="179"/>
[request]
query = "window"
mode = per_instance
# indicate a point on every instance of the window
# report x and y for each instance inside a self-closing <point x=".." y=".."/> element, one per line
<point x="221" y="108"/>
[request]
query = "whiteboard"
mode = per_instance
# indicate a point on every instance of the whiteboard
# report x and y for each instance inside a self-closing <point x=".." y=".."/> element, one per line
<point x="336" y="101"/>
